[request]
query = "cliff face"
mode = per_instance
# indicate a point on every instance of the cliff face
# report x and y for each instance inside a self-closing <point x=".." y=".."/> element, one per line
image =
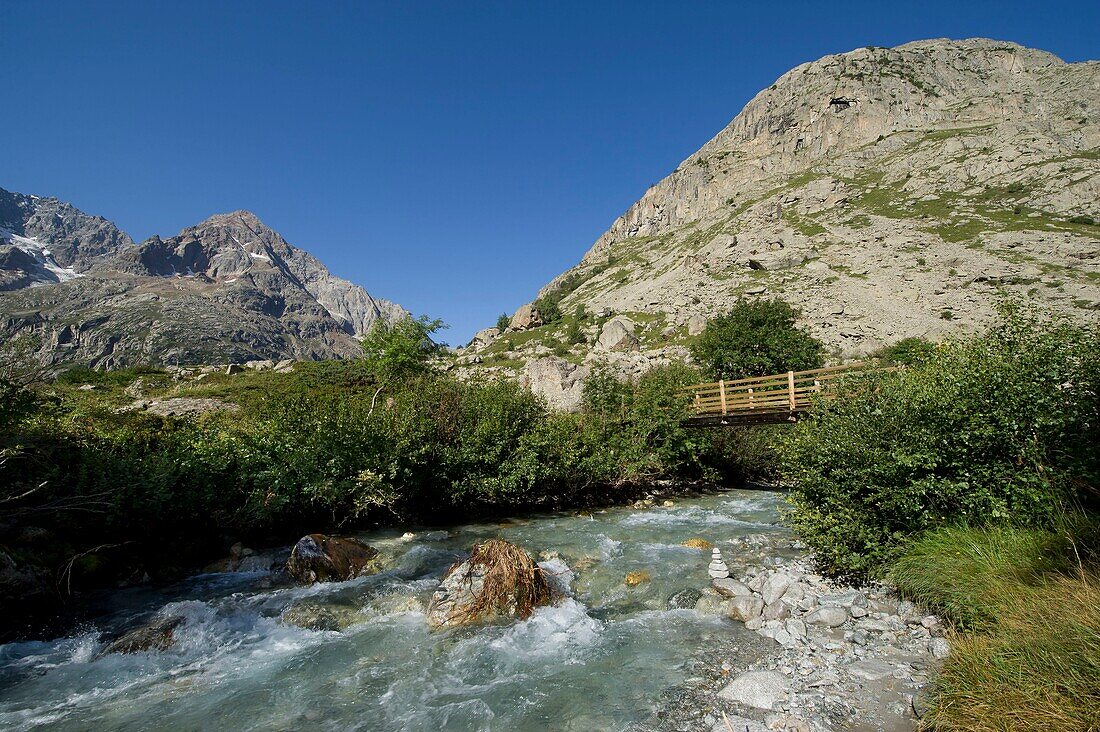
<point x="886" y="192"/>
<point x="227" y="290"/>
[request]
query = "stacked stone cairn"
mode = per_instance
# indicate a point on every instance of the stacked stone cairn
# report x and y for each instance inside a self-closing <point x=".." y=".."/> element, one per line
<point x="718" y="568"/>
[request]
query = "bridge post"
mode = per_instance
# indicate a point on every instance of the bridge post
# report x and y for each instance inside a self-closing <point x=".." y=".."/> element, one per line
<point x="790" y="390"/>
<point x="722" y="392"/>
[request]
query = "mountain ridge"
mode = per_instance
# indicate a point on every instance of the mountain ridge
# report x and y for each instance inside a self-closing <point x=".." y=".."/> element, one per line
<point x="886" y="193"/>
<point x="229" y="289"/>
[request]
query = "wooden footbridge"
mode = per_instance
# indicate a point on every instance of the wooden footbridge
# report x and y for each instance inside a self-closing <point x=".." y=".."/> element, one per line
<point x="775" y="399"/>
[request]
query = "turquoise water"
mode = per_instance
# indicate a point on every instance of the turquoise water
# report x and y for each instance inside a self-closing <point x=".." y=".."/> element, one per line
<point x="598" y="660"/>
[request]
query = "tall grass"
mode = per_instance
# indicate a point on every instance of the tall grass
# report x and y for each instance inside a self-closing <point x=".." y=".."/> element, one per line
<point x="1026" y="651"/>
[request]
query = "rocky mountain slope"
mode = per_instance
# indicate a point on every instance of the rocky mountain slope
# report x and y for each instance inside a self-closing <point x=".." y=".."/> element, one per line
<point x="77" y="289"/>
<point x="887" y="192"/>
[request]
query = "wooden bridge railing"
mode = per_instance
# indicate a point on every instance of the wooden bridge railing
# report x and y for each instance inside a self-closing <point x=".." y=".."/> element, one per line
<point x="776" y="398"/>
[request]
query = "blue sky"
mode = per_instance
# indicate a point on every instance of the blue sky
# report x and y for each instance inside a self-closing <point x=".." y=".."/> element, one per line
<point x="451" y="156"/>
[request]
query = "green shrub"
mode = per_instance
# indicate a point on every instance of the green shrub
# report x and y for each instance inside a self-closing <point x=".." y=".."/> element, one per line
<point x="401" y="348"/>
<point x="756" y="338"/>
<point x="1087" y="220"/>
<point x="332" y="444"/>
<point x="997" y="428"/>
<point x="549" y="308"/>
<point x="906" y="352"/>
<point x="503" y="321"/>
<point x="573" y="332"/>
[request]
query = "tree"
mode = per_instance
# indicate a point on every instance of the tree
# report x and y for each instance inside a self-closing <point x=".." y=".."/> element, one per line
<point x="503" y="321"/>
<point x="756" y="338"/>
<point x="548" y="307"/>
<point x="573" y="332"/>
<point x="403" y="347"/>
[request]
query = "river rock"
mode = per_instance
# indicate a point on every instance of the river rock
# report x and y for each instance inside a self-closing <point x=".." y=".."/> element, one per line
<point x="711" y="603"/>
<point x="730" y="587"/>
<point x="156" y="635"/>
<point x="774" y="587"/>
<point x="498" y="580"/>
<point x="853" y="598"/>
<point x="321" y="558"/>
<point x="21" y="580"/>
<point x="828" y="616"/>
<point x="778" y="610"/>
<point x="871" y="670"/>
<point x="745" y="607"/>
<point x="318" y="616"/>
<point x="739" y="724"/>
<point x="796" y="628"/>
<point x="685" y="599"/>
<point x="758" y="689"/>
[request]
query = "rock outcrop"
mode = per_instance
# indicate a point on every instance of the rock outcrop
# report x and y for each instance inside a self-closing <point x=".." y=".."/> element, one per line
<point x="558" y="381"/>
<point x="526" y="317"/>
<point x="618" y="335"/>
<point x="321" y="558"/>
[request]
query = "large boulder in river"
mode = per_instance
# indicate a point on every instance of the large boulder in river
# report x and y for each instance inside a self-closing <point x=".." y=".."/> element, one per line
<point x="321" y="558"/>
<point x="498" y="580"/>
<point x="156" y="635"/>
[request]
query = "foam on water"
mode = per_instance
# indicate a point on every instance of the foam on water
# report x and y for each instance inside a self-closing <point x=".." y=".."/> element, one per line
<point x="595" y="660"/>
<point x="692" y="515"/>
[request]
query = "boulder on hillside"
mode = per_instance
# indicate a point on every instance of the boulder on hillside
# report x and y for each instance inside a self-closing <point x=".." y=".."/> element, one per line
<point x="156" y="635"/>
<point x="775" y="260"/>
<point x="696" y="324"/>
<point x="618" y="335"/>
<point x="321" y="558"/>
<point x="556" y="380"/>
<point x="498" y="580"/>
<point x="485" y="336"/>
<point x="527" y="317"/>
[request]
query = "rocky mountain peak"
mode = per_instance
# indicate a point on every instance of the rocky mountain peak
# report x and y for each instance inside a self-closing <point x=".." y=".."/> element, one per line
<point x="225" y="290"/>
<point x="44" y="240"/>
<point x="886" y="192"/>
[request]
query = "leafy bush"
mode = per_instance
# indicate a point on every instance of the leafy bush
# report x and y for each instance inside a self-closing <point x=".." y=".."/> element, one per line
<point x="573" y="333"/>
<point x="503" y="321"/>
<point x="549" y="308"/>
<point x="332" y="444"/>
<point x="997" y="428"/>
<point x="756" y="338"/>
<point x="1087" y="220"/>
<point x="401" y="348"/>
<point x="906" y="352"/>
